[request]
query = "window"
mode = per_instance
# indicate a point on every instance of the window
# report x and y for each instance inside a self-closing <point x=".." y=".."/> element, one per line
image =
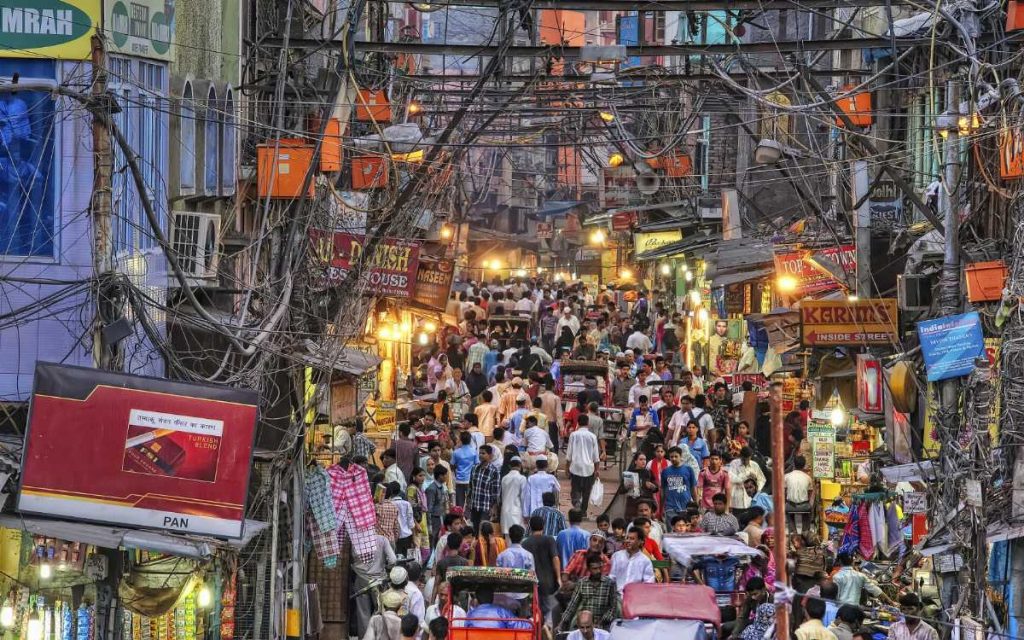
<point x="187" y="146"/>
<point x="27" y="164"/>
<point x="141" y="90"/>
<point x="211" y="142"/>
<point x="228" y="130"/>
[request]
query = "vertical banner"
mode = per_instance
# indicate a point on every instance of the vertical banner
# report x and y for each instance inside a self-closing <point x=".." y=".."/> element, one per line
<point x="822" y="434"/>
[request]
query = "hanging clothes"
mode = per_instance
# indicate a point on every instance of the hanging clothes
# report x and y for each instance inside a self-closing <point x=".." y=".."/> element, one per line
<point x="851" y="535"/>
<point x="876" y="518"/>
<point x="867" y="540"/>
<point x="321" y="519"/>
<point x="353" y="505"/>
<point x="892" y="521"/>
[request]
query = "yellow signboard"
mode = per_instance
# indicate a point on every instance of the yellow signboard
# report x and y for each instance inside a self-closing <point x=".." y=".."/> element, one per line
<point x="48" y="28"/>
<point x="644" y="242"/>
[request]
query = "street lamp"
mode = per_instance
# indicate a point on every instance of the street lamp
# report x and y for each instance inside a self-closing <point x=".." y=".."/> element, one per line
<point x="597" y="237"/>
<point x="626" y="274"/>
<point x="787" y="284"/>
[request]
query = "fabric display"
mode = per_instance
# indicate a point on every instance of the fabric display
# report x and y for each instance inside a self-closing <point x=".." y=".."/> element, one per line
<point x="353" y="506"/>
<point x="321" y="518"/>
<point x="873" y="529"/>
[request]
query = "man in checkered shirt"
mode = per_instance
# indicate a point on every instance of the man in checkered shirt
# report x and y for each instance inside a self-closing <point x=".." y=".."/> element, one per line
<point x="484" y="487"/>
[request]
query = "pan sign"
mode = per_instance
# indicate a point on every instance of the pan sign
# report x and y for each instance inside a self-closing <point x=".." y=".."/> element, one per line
<point x="832" y="323"/>
<point x="140" y="451"/>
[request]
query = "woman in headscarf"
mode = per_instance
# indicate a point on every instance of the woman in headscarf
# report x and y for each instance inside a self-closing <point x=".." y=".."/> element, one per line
<point x="763" y="625"/>
<point x="648" y="487"/>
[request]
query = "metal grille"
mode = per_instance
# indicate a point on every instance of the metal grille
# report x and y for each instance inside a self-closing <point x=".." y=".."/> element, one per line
<point x="252" y="611"/>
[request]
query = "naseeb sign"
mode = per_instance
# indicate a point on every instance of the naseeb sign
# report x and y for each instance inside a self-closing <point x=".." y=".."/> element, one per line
<point x="830" y="323"/>
<point x="128" y="450"/>
<point x="48" y="28"/>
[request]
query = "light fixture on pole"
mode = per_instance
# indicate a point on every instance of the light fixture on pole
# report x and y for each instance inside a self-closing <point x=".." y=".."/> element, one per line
<point x="768" y="151"/>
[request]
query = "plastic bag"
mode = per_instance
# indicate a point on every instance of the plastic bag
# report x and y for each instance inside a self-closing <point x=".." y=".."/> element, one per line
<point x="597" y="493"/>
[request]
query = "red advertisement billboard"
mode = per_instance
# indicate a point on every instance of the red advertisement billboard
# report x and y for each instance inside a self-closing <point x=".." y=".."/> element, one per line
<point x="810" y="279"/>
<point x="108" y="447"/>
<point x="389" y="271"/>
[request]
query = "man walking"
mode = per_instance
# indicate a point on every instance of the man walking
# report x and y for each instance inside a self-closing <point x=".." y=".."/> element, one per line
<point x="484" y="486"/>
<point x="582" y="453"/>
<point x="595" y="599"/>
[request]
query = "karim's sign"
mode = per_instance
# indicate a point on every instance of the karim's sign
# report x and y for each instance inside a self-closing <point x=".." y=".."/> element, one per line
<point x="48" y="28"/>
<point x="127" y="450"/>
<point x="831" y="323"/>
<point x="389" y="271"/>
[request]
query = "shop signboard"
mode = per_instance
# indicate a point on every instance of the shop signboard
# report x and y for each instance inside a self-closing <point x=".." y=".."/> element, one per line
<point x="886" y="204"/>
<point x="869" y="384"/>
<point x="832" y="323"/>
<point x="623" y="221"/>
<point x="143" y="452"/>
<point x="1011" y="154"/>
<point x="142" y="28"/>
<point x="822" y="435"/>
<point x="434" y="283"/>
<point x="809" y="279"/>
<point x="545" y="230"/>
<point x="389" y="272"/>
<point x="950" y="345"/>
<point x="41" y="29"/>
<point x="915" y="502"/>
<point x="644" y="242"/>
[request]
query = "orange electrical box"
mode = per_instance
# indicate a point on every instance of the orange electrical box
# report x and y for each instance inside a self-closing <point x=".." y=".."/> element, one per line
<point x="330" y="147"/>
<point x="1014" y="15"/>
<point x="857" y="107"/>
<point x="281" y="168"/>
<point x="1011" y="154"/>
<point x="369" y="172"/>
<point x="985" y="280"/>
<point x="677" y="166"/>
<point x="372" y="106"/>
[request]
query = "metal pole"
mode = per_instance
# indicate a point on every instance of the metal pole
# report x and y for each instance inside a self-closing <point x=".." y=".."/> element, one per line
<point x="298" y="557"/>
<point x="275" y="621"/>
<point x="862" y="224"/>
<point x="779" y="503"/>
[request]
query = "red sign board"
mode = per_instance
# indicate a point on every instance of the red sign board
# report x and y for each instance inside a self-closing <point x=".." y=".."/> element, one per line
<point x="390" y="271"/>
<point x="1011" y="154"/>
<point x="127" y="450"/>
<point x="623" y="221"/>
<point x="434" y="283"/>
<point x="808" y="278"/>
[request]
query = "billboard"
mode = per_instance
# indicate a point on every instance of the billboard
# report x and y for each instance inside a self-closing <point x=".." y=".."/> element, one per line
<point x="390" y="271"/>
<point x="143" y="28"/>
<point x="810" y="279"/>
<point x="140" y="451"/>
<point x="950" y="345"/>
<point x="48" y="28"/>
<point x="644" y="242"/>
<point x="434" y="283"/>
<point x="831" y="323"/>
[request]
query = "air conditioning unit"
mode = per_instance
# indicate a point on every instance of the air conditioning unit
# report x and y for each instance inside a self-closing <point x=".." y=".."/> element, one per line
<point x="195" y="238"/>
<point x="914" y="292"/>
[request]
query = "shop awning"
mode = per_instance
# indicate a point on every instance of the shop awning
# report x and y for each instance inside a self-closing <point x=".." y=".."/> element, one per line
<point x="727" y="279"/>
<point x="347" y="360"/>
<point x="117" y="537"/>
<point x="553" y="208"/>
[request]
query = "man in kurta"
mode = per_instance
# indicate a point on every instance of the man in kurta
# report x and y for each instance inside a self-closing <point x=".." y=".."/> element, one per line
<point x="512" y="496"/>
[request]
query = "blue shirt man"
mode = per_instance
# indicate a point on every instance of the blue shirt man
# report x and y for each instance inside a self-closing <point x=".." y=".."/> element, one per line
<point x="464" y="458"/>
<point x="487" y="615"/>
<point x="678" y="484"/>
<point x="572" y="539"/>
<point x="720" y="573"/>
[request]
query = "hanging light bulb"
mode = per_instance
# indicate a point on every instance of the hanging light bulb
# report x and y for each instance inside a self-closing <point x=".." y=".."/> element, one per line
<point x="626" y="274"/>
<point x="520" y="273"/>
<point x="838" y="416"/>
<point x="45" y="571"/>
<point x="666" y="270"/>
<point x="429" y="326"/>
<point x="688" y="276"/>
<point x="424" y="339"/>
<point x="34" y="628"/>
<point x="702" y="316"/>
<point x="7" y="614"/>
<point x="204" y="598"/>
<point x="616" y="160"/>
<point x="414" y="108"/>
<point x="607" y="117"/>
<point x="695" y="297"/>
<point x="597" y="237"/>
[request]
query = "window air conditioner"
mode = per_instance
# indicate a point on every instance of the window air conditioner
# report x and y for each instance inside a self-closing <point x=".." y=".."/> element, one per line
<point x="914" y="292"/>
<point x="195" y="239"/>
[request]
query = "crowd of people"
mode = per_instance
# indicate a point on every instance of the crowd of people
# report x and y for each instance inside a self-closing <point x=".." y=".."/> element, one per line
<point x="474" y="480"/>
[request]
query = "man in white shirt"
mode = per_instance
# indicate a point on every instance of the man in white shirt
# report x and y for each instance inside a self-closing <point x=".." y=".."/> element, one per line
<point x="630" y="565"/>
<point x="799" y="494"/>
<point x="538" y="443"/>
<point x="524" y="305"/>
<point x="639" y="342"/>
<point x="641" y="388"/>
<point x="582" y="454"/>
<point x="537" y="484"/>
<point x="585" y="629"/>
<point x="739" y="470"/>
<point x="512" y="496"/>
<point x="568" y="320"/>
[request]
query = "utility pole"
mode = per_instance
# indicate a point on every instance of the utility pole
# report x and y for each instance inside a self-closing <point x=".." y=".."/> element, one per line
<point x="779" y="502"/>
<point x="101" y="204"/>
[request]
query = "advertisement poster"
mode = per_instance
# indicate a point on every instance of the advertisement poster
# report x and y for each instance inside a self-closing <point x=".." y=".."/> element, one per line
<point x="140" y="451"/>
<point x="950" y="345"/>
<point x="143" y="28"/>
<point x="822" y="435"/>
<point x="48" y="29"/>
<point x="832" y="323"/>
<point x="644" y="242"/>
<point x="434" y="283"/>
<point x="810" y="279"/>
<point x="390" y="271"/>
